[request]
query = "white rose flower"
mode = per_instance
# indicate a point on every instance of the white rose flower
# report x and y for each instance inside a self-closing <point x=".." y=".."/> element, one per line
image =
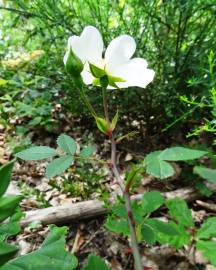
<point x="117" y="66"/>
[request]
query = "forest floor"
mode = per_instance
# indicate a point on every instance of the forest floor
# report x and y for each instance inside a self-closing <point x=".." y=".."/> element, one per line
<point x="82" y="183"/>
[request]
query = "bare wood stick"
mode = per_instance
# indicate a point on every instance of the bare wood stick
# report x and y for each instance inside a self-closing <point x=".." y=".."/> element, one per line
<point x="187" y="193"/>
<point x="93" y="208"/>
<point x="208" y="206"/>
<point x="65" y="213"/>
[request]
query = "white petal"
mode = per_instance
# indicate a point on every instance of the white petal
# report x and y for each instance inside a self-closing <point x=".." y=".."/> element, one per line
<point x="86" y="75"/>
<point x="89" y="46"/>
<point x="135" y="73"/>
<point x="66" y="57"/>
<point x="119" y="51"/>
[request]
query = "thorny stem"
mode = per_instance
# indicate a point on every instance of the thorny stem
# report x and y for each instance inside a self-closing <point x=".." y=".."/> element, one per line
<point x="126" y="195"/>
<point x="131" y="222"/>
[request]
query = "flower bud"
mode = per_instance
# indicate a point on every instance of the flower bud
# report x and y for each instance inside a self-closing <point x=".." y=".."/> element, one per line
<point x="73" y="64"/>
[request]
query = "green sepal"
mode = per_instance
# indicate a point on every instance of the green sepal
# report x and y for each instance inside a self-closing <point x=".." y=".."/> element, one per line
<point x="113" y="80"/>
<point x="104" y="81"/>
<point x="96" y="82"/>
<point x="96" y="71"/>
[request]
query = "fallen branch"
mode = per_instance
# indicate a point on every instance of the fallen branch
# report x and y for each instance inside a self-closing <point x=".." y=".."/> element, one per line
<point x="93" y="208"/>
<point x="208" y="206"/>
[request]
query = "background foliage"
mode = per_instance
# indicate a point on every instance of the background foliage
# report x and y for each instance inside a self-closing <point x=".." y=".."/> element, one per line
<point x="174" y="36"/>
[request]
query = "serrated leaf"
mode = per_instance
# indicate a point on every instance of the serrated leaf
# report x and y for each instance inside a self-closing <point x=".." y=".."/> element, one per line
<point x="117" y="226"/>
<point x="181" y="154"/>
<point x="151" y="201"/>
<point x="8" y="206"/>
<point x="148" y="234"/>
<point x="177" y="241"/>
<point x="87" y="151"/>
<point x="207" y="229"/>
<point x="5" y="176"/>
<point x="157" y="167"/>
<point x="7" y="251"/>
<point x="179" y="210"/>
<point x="51" y="255"/>
<point x="203" y="188"/>
<point x="206" y="173"/>
<point x="119" y="210"/>
<point x="12" y="227"/>
<point x="137" y="211"/>
<point x="58" y="166"/>
<point x="162" y="227"/>
<point x="208" y="248"/>
<point x="67" y="143"/>
<point x="36" y="153"/>
<point x="94" y="262"/>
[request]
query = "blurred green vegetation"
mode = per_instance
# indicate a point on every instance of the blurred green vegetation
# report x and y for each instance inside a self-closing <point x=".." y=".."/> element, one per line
<point x="175" y="37"/>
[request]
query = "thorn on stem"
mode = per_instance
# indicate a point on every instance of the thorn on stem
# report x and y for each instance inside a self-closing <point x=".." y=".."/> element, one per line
<point x="128" y="251"/>
<point x="130" y="214"/>
<point x="126" y="190"/>
<point x="110" y="164"/>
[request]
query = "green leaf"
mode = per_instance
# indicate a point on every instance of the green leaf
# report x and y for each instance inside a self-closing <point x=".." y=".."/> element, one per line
<point x="12" y="227"/>
<point x="119" y="210"/>
<point x="179" y="210"/>
<point x="137" y="211"/>
<point x="95" y="263"/>
<point x="157" y="167"/>
<point x="117" y="226"/>
<point x="114" y="121"/>
<point x="3" y="82"/>
<point x="67" y="144"/>
<point x="87" y="151"/>
<point x="7" y="252"/>
<point x="151" y="201"/>
<point x="179" y="240"/>
<point x="208" y="248"/>
<point x="51" y="255"/>
<point x="181" y="154"/>
<point x="148" y="234"/>
<point x="102" y="124"/>
<point x="208" y="229"/>
<point x="206" y="173"/>
<point x="8" y="206"/>
<point x="203" y="188"/>
<point x="5" y="176"/>
<point x="162" y="227"/>
<point x="36" y="153"/>
<point x="58" y="166"/>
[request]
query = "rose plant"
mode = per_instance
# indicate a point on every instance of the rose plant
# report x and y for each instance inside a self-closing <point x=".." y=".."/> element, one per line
<point x="87" y="64"/>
